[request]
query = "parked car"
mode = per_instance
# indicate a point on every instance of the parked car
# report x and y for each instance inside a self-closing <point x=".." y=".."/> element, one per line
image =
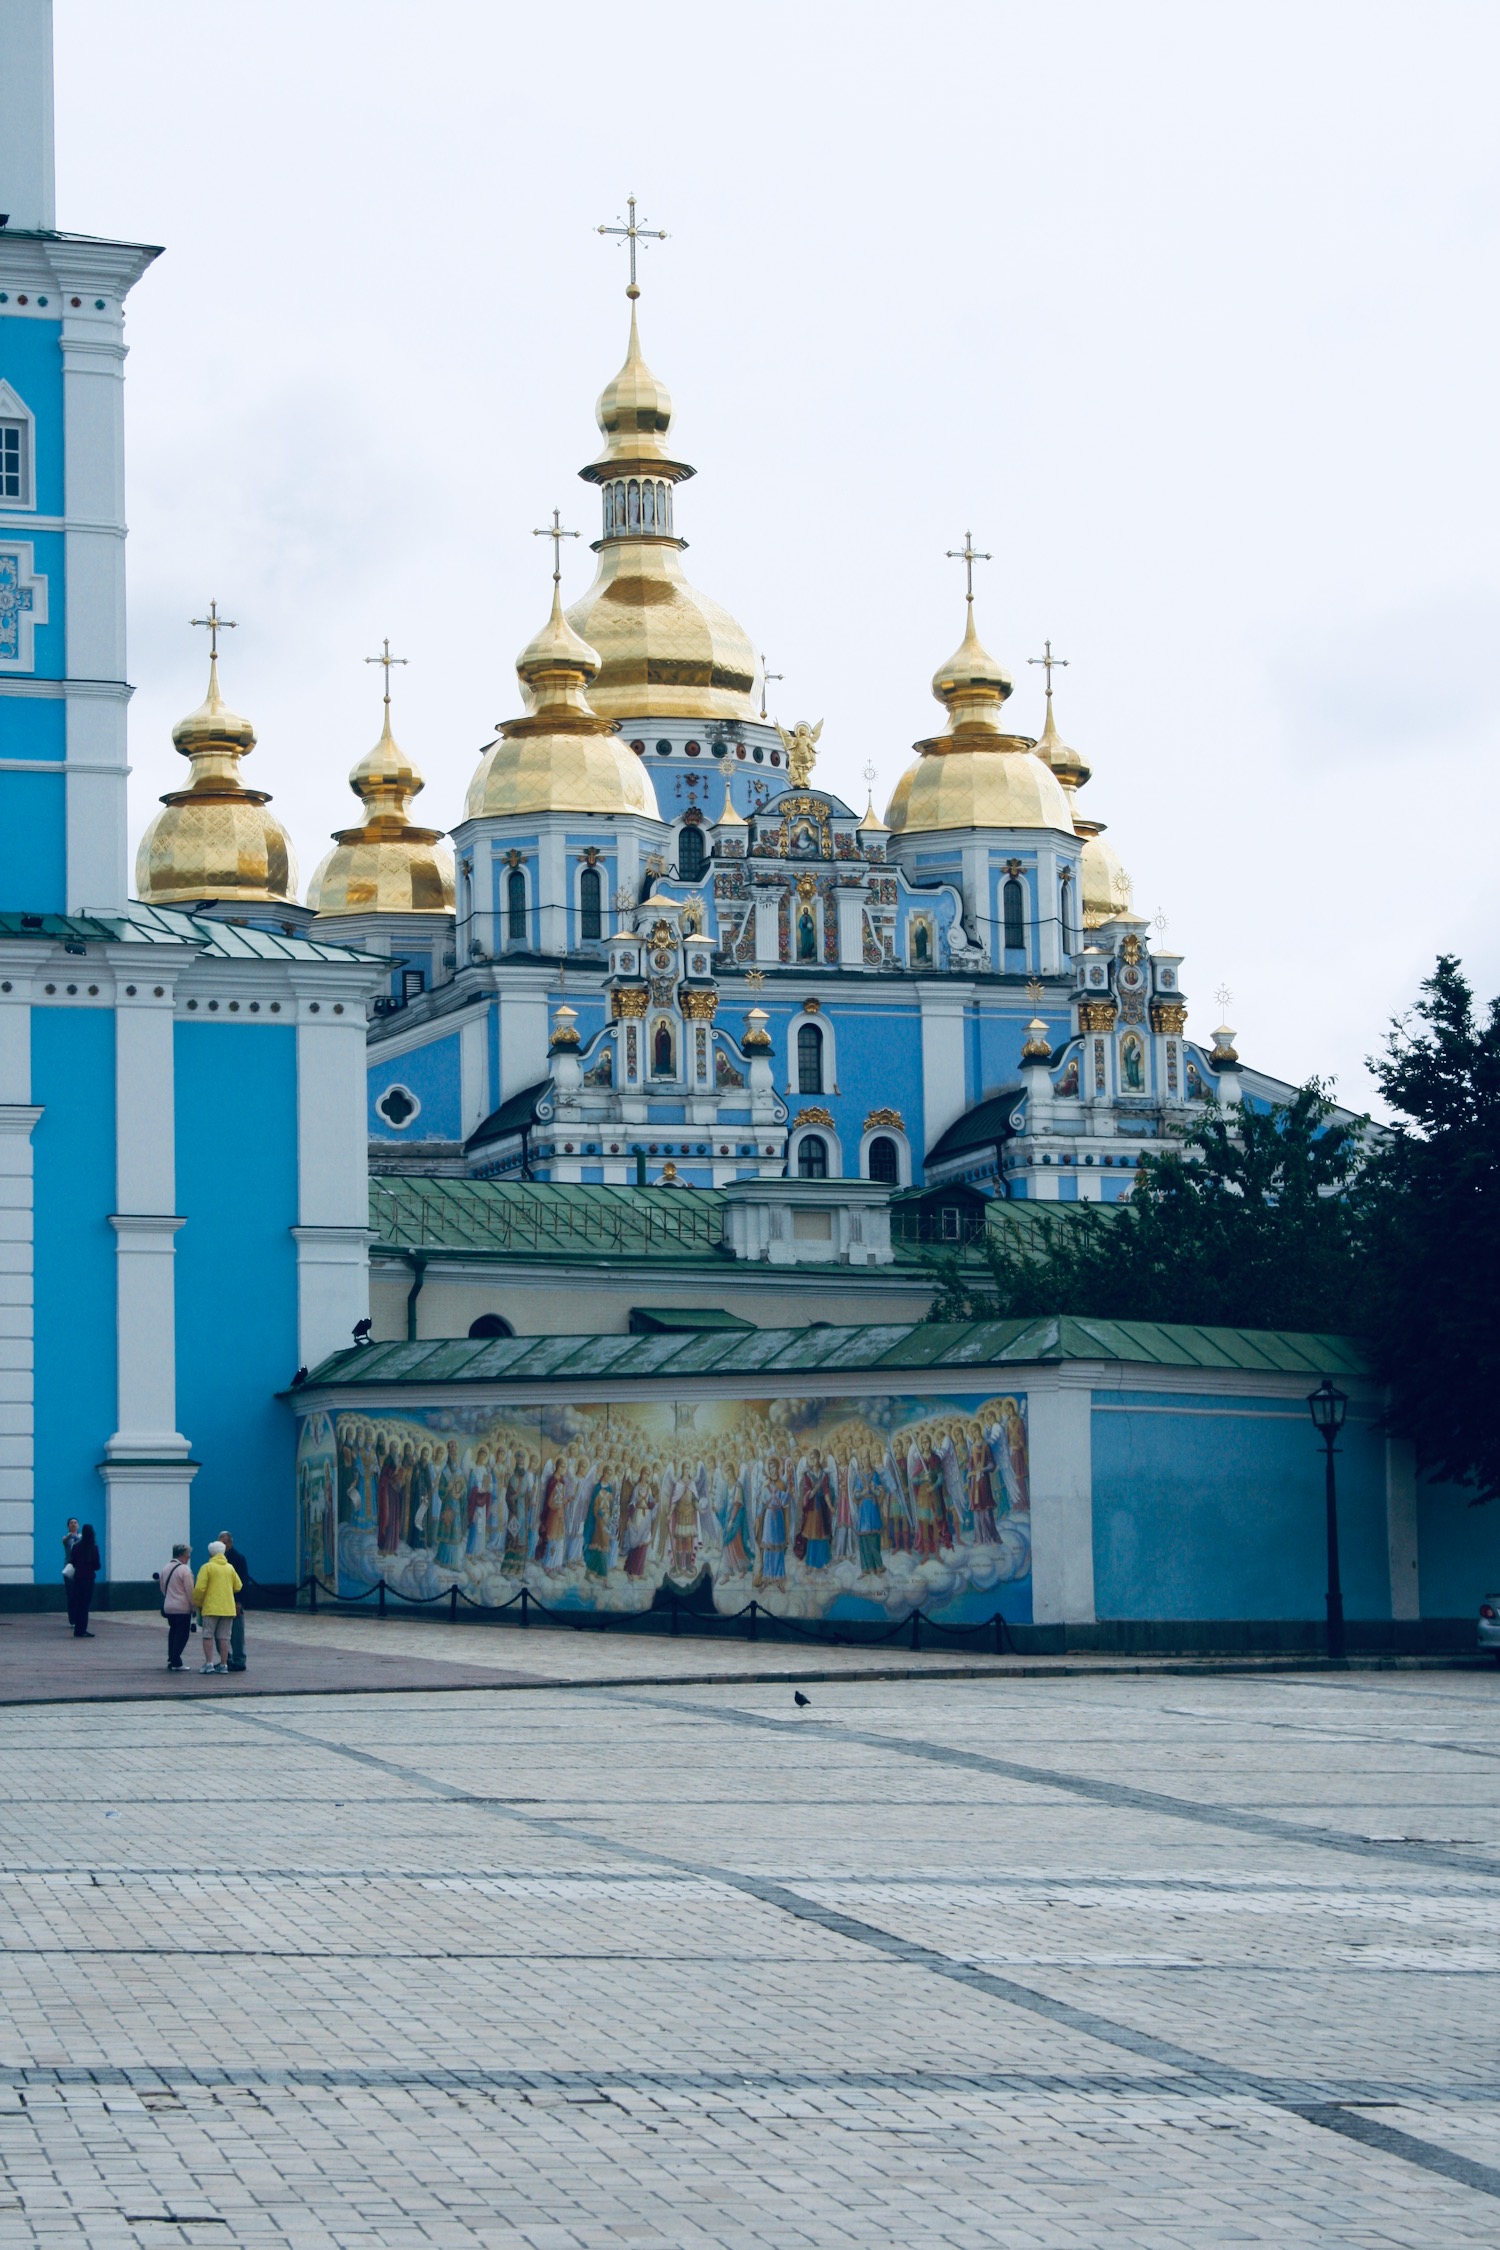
<point x="1489" y="1624"/>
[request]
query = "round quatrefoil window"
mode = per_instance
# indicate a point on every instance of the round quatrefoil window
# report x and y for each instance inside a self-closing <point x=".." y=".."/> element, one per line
<point x="398" y="1106"/>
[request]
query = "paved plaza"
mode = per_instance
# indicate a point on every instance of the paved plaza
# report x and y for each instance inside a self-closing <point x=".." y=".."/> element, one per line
<point x="975" y="1961"/>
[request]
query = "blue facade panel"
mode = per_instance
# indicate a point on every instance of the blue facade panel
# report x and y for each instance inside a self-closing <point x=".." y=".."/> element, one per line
<point x="73" y="1150"/>
<point x="1215" y="1510"/>
<point x="1458" y="1550"/>
<point x="432" y="1074"/>
<point x="33" y="828"/>
<point x="31" y="362"/>
<point x="237" y="1281"/>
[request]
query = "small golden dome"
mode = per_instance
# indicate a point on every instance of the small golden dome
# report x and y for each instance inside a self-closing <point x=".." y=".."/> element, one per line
<point x="972" y="775"/>
<point x="214" y="839"/>
<point x="562" y="756"/>
<point x="729" y="818"/>
<point x="1106" y="886"/>
<point x="871" y="824"/>
<point x="387" y="865"/>
<point x="635" y="413"/>
<point x="1071" y="769"/>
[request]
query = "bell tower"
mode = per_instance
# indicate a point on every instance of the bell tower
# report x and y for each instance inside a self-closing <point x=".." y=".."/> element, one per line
<point x="63" y="686"/>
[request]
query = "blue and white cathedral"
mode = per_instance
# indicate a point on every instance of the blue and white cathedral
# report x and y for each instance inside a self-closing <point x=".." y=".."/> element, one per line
<point x="648" y="948"/>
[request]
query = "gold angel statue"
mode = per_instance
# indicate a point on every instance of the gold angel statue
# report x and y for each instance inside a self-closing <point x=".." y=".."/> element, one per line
<point x="801" y="747"/>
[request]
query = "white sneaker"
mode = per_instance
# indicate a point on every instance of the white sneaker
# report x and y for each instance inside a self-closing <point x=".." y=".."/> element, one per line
<point x="206" y="1667"/>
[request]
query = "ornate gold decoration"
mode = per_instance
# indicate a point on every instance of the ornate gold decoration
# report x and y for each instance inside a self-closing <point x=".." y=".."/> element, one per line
<point x="1130" y="949"/>
<point x="661" y="934"/>
<point x="628" y="1000"/>
<point x="756" y="1035"/>
<point x="974" y="775"/>
<point x="1168" y="1015"/>
<point x="213" y="839"/>
<point x="811" y="1007"/>
<point x="564" y="1028"/>
<point x="801" y="747"/>
<point x="1096" y="1015"/>
<point x="813" y="1117"/>
<point x="699" y="1006"/>
<point x="387" y="865"/>
<point x="806" y="885"/>
<point x="1223" y="1053"/>
<point x="562" y="756"/>
<point x="1038" y="1047"/>
<point x="892" y="1117"/>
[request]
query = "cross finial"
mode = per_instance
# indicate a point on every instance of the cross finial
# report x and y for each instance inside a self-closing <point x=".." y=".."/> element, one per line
<point x="216" y="625"/>
<point x="1224" y="997"/>
<point x="632" y="234"/>
<point x="386" y="659"/>
<point x="1048" y="661"/>
<point x="765" y="681"/>
<point x="554" y="531"/>
<point x="968" y="554"/>
<point x="872" y="774"/>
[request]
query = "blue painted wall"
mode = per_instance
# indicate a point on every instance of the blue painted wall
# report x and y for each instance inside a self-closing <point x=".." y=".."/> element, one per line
<point x="33" y="827"/>
<point x="1458" y="1551"/>
<point x="31" y="362"/>
<point x="73" y="1147"/>
<point x="432" y="1074"/>
<point x="237" y="1281"/>
<point x="1216" y="1511"/>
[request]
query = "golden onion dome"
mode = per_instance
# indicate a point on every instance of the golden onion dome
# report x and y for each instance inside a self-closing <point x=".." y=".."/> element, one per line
<point x="387" y="865"/>
<point x="973" y="775"/>
<point x="214" y="838"/>
<point x="562" y="756"/>
<point x="1106" y="886"/>
<point x="665" y="650"/>
<point x="1070" y="767"/>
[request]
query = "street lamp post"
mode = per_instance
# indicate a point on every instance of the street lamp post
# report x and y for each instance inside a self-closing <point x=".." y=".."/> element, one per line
<point x="1328" y="1405"/>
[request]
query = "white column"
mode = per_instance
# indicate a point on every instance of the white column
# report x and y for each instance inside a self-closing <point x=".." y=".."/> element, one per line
<point x="943" y="1091"/>
<point x="1401" y="1527"/>
<point x="1059" y="1421"/>
<point x="333" y="1196"/>
<point x="17" y="1340"/>
<point x="147" y="1469"/>
<point x="26" y="166"/>
<point x="524" y="1033"/>
<point x="93" y="347"/>
<point x="473" y="1074"/>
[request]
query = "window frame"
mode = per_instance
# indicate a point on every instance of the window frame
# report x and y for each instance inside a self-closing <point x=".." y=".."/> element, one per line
<point x="13" y="409"/>
<point x="512" y="916"/>
<point x="811" y="1057"/>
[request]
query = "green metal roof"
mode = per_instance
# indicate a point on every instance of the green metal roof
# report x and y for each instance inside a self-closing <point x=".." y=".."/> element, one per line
<point x="531" y="1360"/>
<point x="682" y="1320"/>
<point x="167" y="925"/>
<point x="415" y="1211"/>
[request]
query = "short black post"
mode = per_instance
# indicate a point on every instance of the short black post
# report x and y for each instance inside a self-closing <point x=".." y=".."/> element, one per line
<point x="525" y="1600"/>
<point x="916" y="1628"/>
<point x="753" y="1627"/>
<point x="380" y="1599"/>
<point x="453" y="1605"/>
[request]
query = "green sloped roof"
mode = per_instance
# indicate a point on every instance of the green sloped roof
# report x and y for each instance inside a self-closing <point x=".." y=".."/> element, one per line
<point x="525" y="1218"/>
<point x="168" y="925"/>
<point x="531" y="1360"/>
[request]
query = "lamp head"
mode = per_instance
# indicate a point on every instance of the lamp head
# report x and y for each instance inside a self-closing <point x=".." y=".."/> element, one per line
<point x="1328" y="1406"/>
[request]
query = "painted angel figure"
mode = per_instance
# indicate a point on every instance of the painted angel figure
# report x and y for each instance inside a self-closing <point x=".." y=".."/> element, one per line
<point x="843" y="1515"/>
<point x="900" y="1526"/>
<point x="956" y="1492"/>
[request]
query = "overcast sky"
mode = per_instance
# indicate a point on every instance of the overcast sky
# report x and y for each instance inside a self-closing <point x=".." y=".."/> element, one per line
<point x="1189" y="311"/>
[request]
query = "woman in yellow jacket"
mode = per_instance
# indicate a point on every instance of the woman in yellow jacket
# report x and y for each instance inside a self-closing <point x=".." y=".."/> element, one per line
<point x="214" y="1590"/>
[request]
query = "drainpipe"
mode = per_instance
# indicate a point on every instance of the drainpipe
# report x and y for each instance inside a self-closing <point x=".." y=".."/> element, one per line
<point x="417" y="1260"/>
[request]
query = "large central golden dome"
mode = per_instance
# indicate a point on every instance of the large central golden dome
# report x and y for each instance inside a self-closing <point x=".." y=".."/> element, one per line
<point x="665" y="650"/>
<point x="562" y="756"/>
<point x="972" y="775"/>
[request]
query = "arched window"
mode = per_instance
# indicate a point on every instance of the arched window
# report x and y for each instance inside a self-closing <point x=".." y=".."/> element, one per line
<point x="590" y="904"/>
<point x="807" y="935"/>
<point x="662" y="1065"/>
<point x="1070" y="926"/>
<point x="690" y="854"/>
<point x="663" y="509"/>
<point x="490" y="1324"/>
<point x="515" y="906"/>
<point x="1013" y="903"/>
<point x="812" y="1157"/>
<point x="885" y="1160"/>
<point x="809" y="1059"/>
<point x="609" y="510"/>
<point x="648" y="507"/>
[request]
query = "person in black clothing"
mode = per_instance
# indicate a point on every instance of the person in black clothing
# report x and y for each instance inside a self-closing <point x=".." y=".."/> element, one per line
<point x="85" y="1563"/>
<point x="237" y="1562"/>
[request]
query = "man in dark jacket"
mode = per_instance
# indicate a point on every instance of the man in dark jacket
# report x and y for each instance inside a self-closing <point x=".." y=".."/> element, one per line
<point x="237" y="1562"/>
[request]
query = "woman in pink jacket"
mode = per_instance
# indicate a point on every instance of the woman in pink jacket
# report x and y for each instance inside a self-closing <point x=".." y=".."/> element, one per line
<point x="176" y="1583"/>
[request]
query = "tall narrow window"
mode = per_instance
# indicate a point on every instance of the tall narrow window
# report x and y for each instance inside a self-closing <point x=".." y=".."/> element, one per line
<point x="809" y="1059"/>
<point x="1013" y="901"/>
<point x="609" y="511"/>
<point x="690" y="854"/>
<point x="515" y="906"/>
<point x="14" y="481"/>
<point x="648" y="507"/>
<point x="634" y="505"/>
<point x="885" y="1160"/>
<point x="1070" y="926"/>
<point x="664" y="511"/>
<point x="812" y="1157"/>
<point x="590" y="904"/>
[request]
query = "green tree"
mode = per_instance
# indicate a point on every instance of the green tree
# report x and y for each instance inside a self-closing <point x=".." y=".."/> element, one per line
<point x="1249" y="1222"/>
<point x="1433" y="1222"/>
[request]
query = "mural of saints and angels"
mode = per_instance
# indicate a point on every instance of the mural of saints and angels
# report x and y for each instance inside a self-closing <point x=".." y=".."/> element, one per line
<point x="845" y="1506"/>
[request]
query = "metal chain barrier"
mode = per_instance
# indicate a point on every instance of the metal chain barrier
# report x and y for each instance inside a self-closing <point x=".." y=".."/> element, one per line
<point x="606" y="1621"/>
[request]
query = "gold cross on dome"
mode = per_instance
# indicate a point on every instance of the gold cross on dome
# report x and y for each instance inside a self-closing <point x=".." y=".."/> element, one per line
<point x="216" y="625"/>
<point x="632" y="233"/>
<point x="385" y="658"/>
<point x="968" y="554"/>
<point x="554" y="531"/>
<point x="1048" y="662"/>
<point x="765" y="681"/>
